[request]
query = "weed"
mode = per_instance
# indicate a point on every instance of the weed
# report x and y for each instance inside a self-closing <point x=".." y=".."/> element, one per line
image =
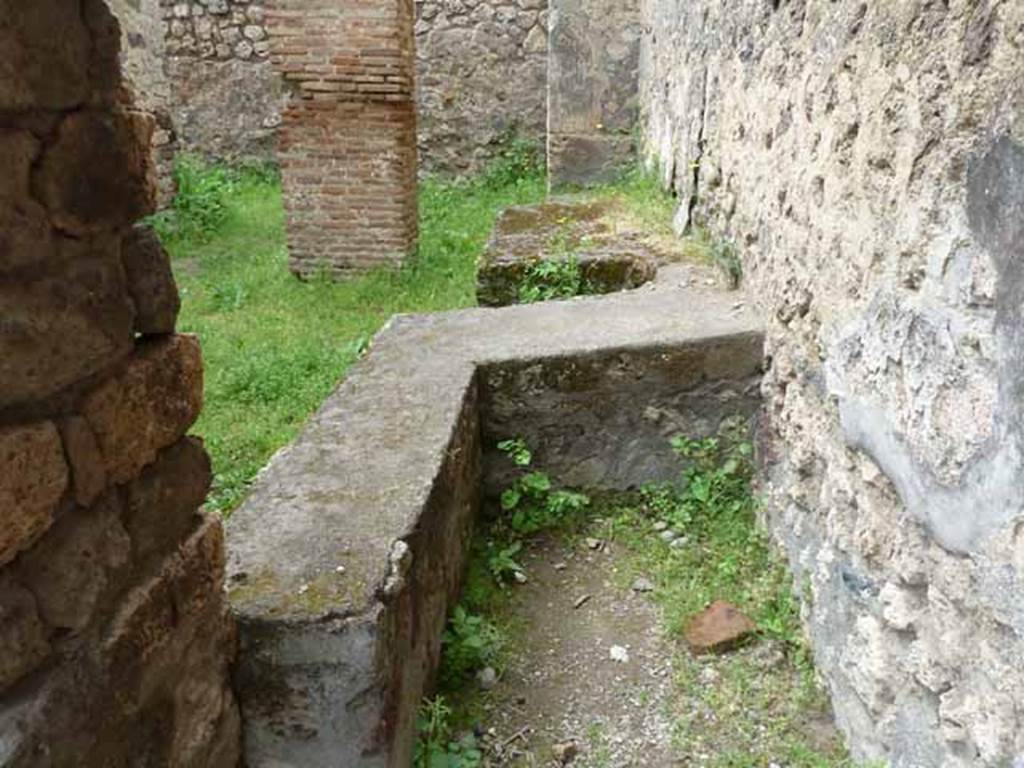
<point x="502" y="564"/>
<point x="200" y="205"/>
<point x="435" y="747"/>
<point x="551" y="279"/>
<point x="469" y="643"/>
<point x="531" y="502"/>
<point x="517" y="159"/>
<point x="725" y="256"/>
<point x="517" y="450"/>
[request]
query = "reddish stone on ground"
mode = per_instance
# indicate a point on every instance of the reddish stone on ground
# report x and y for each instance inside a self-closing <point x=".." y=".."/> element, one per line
<point x="718" y="628"/>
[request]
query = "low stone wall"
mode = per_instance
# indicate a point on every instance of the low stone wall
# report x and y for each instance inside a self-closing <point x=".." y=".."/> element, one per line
<point x="348" y="555"/>
<point x="481" y="78"/>
<point x="115" y="643"/>
<point x="868" y="161"/>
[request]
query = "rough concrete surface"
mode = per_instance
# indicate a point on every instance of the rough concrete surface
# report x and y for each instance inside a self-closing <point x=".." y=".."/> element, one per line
<point x="348" y="553"/>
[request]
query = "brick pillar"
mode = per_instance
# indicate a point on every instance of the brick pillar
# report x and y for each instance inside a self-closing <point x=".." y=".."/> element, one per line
<point x="115" y="644"/>
<point x="347" y="144"/>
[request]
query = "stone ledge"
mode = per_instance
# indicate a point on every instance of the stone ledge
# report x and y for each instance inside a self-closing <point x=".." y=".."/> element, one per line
<point x="347" y="555"/>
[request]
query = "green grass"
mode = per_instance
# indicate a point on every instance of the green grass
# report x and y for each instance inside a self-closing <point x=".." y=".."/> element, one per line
<point x="275" y="347"/>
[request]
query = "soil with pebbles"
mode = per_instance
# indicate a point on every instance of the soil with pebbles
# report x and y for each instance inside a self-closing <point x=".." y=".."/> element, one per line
<point x="591" y="679"/>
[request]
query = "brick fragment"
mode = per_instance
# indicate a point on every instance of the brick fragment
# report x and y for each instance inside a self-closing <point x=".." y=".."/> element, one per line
<point x="717" y="629"/>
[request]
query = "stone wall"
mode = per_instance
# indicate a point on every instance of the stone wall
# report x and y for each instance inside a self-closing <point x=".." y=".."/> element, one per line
<point x="592" y="89"/>
<point x="114" y="639"/>
<point x="142" y="64"/>
<point x="226" y="98"/>
<point x="347" y="145"/>
<point x="868" y="161"/>
<point x="481" y="78"/>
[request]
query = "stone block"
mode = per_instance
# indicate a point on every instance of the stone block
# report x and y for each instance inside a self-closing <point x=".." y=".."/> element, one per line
<point x="63" y="321"/>
<point x="150" y="281"/>
<point x="78" y="564"/>
<point x="98" y="174"/>
<point x="162" y="504"/>
<point x="88" y="473"/>
<point x="591" y="159"/>
<point x="43" y="68"/>
<point x="146" y="406"/>
<point x="23" y="637"/>
<point x="609" y="259"/>
<point x="18" y="150"/>
<point x="33" y="478"/>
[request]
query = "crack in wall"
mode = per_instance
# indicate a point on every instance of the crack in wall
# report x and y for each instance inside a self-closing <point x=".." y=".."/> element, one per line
<point x="695" y="165"/>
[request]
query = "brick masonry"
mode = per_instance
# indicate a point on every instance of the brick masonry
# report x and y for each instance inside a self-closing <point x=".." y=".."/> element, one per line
<point x="115" y="644"/>
<point x="347" y="145"/>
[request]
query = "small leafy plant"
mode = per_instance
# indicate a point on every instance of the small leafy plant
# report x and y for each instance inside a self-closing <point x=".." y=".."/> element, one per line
<point x="550" y="279"/>
<point x="531" y="501"/>
<point x="469" y="643"/>
<point x="516" y="450"/>
<point x="715" y="481"/>
<point x="435" y="747"/>
<point x="502" y="564"/>
<point x="201" y="201"/>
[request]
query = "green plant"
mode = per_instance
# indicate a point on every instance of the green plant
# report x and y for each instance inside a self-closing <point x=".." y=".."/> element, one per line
<point x="469" y="643"/>
<point x="532" y="503"/>
<point x="435" y="747"/>
<point x="200" y="206"/>
<point x="502" y="563"/>
<point x="516" y="159"/>
<point x="716" y="477"/>
<point x="516" y="450"/>
<point x="550" y="279"/>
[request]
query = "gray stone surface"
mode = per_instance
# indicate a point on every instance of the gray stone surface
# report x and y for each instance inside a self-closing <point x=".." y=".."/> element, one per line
<point x="594" y="49"/>
<point x="866" y="158"/>
<point x="348" y="553"/>
<point x="480" y="78"/>
<point x="609" y="258"/>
